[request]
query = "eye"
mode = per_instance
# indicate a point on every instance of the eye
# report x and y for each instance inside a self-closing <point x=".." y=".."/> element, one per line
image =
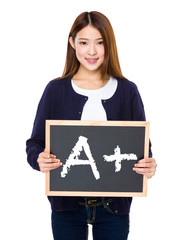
<point x="83" y="43"/>
<point x="100" y="42"/>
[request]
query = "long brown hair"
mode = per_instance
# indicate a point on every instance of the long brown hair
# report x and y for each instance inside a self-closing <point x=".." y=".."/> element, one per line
<point x="110" y="65"/>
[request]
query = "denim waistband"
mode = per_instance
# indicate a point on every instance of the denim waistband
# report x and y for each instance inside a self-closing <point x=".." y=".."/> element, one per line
<point x="94" y="201"/>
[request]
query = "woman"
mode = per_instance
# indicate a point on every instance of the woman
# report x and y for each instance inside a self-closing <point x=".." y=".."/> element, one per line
<point x="92" y="87"/>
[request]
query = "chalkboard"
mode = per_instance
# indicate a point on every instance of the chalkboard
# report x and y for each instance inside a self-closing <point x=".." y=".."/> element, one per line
<point x="97" y="156"/>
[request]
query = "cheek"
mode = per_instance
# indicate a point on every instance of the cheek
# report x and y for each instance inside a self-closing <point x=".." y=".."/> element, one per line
<point x="80" y="52"/>
<point x="101" y="52"/>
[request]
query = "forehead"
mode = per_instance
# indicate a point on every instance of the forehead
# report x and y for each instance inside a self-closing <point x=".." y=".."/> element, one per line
<point x="89" y="32"/>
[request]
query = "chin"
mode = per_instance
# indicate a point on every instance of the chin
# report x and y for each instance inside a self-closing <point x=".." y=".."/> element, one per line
<point x="92" y="67"/>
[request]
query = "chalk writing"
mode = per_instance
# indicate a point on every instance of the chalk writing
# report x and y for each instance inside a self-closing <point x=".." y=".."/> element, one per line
<point x="118" y="157"/>
<point x="74" y="160"/>
<point x="82" y="144"/>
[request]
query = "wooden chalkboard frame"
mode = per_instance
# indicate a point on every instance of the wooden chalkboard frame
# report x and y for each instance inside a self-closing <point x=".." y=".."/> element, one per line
<point x="97" y="123"/>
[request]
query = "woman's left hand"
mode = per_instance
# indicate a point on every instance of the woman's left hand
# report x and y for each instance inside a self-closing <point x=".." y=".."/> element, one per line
<point x="146" y="166"/>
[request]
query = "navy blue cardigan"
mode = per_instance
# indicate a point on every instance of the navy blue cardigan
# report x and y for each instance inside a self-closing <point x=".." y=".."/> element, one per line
<point x="60" y="102"/>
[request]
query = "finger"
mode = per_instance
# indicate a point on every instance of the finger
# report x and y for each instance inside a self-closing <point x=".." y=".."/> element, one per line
<point x="47" y="155"/>
<point x="146" y="160"/>
<point x="145" y="165"/>
<point x="148" y="175"/>
<point x="145" y="173"/>
<point x="48" y="167"/>
<point x="144" y="170"/>
<point x="51" y="165"/>
<point x="44" y="155"/>
<point x="52" y="160"/>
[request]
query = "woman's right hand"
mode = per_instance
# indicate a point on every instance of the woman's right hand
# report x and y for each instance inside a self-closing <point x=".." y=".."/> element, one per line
<point x="48" y="162"/>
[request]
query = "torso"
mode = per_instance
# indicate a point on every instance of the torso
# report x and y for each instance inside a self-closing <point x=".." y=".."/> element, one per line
<point x="93" y="108"/>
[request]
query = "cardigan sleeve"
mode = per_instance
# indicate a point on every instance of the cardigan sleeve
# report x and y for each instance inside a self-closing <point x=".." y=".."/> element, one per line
<point x="138" y="112"/>
<point x="36" y="143"/>
<point x="137" y="107"/>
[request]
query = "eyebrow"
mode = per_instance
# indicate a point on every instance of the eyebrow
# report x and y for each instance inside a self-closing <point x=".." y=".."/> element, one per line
<point x="89" y="39"/>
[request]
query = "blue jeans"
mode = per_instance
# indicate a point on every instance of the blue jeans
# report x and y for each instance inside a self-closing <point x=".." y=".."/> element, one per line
<point x="73" y="225"/>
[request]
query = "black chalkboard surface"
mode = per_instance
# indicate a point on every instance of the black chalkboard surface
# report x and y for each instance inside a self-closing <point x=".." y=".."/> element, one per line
<point x="97" y="157"/>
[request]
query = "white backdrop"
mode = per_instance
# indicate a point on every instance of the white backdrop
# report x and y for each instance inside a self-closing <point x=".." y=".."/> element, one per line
<point x="32" y="52"/>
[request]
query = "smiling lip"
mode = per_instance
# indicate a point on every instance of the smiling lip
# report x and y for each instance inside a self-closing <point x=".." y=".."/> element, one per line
<point x="91" y="60"/>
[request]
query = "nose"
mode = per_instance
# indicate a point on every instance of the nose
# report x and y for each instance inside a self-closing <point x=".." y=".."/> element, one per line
<point x="92" y="49"/>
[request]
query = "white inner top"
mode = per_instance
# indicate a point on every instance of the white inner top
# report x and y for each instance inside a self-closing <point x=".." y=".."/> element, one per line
<point x="93" y="108"/>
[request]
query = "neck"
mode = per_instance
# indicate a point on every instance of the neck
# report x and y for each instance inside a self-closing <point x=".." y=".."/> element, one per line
<point x="83" y="74"/>
<point x="90" y="81"/>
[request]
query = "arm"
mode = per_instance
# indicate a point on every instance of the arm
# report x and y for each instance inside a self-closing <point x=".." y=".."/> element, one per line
<point x="147" y="166"/>
<point x="35" y="146"/>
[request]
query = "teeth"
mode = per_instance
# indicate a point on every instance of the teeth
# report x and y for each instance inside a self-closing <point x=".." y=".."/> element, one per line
<point x="91" y="60"/>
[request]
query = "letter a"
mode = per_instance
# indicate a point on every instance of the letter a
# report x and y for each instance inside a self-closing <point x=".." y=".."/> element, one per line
<point x="74" y="160"/>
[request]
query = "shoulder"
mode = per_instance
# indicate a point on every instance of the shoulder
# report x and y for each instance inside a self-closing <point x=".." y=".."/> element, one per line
<point x="127" y="87"/>
<point x="55" y="87"/>
<point x="58" y="85"/>
<point x="59" y="82"/>
<point x="127" y="84"/>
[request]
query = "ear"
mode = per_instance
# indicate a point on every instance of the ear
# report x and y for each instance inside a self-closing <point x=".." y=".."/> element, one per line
<point x="72" y="43"/>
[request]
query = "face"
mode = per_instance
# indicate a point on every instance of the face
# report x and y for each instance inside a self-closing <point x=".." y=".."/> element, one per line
<point x="89" y="48"/>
